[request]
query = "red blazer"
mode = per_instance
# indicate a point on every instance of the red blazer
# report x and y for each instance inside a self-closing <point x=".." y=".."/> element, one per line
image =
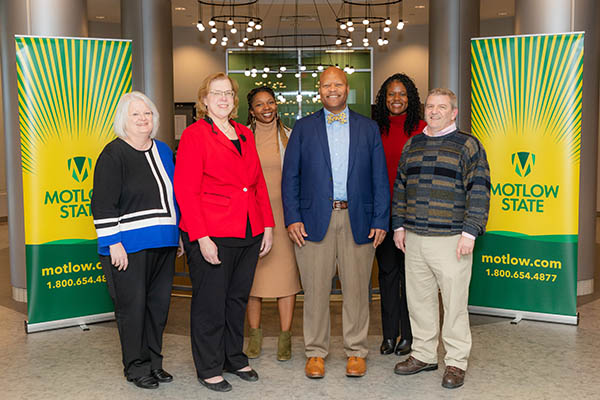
<point x="216" y="187"/>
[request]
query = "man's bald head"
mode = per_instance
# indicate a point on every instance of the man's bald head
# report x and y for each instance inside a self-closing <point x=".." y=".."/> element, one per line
<point x="333" y="89"/>
<point x="336" y="72"/>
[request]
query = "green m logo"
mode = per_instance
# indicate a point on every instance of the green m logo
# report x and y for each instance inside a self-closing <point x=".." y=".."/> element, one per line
<point x="79" y="167"/>
<point x="523" y="162"/>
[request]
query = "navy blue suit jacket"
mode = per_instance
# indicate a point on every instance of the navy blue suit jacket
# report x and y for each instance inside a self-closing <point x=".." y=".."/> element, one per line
<point x="307" y="183"/>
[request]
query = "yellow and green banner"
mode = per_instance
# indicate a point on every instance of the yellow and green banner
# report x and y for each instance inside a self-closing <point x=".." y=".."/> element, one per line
<point x="526" y="109"/>
<point x="68" y="90"/>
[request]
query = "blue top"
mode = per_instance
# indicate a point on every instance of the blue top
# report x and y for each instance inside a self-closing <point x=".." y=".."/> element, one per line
<point x="338" y="138"/>
<point x="133" y="200"/>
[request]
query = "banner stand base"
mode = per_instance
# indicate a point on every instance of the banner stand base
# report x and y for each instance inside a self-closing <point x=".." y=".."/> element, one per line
<point x="517" y="319"/>
<point x="529" y="315"/>
<point x="68" y="322"/>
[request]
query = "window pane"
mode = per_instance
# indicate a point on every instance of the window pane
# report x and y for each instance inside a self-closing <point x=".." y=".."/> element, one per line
<point x="240" y="60"/>
<point x="359" y="98"/>
<point x="286" y="86"/>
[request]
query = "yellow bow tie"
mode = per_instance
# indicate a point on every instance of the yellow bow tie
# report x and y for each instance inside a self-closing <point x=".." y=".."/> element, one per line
<point x="341" y="117"/>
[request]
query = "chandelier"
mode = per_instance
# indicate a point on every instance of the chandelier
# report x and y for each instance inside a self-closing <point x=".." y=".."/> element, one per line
<point x="363" y="16"/>
<point x="228" y="21"/>
<point x="231" y="21"/>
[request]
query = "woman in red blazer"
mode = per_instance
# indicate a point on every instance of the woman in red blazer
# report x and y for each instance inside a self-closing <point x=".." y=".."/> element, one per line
<point x="226" y="224"/>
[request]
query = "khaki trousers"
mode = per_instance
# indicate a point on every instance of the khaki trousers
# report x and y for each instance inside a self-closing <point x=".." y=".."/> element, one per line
<point x="317" y="264"/>
<point x="431" y="264"/>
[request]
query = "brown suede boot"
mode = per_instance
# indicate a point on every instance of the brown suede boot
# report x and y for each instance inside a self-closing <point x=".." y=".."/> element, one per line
<point x="255" y="339"/>
<point x="284" y="346"/>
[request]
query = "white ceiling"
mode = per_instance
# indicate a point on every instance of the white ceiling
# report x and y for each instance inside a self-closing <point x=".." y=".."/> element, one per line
<point x="272" y="10"/>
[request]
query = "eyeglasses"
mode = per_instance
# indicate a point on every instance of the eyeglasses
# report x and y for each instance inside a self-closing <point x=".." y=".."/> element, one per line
<point x="221" y="93"/>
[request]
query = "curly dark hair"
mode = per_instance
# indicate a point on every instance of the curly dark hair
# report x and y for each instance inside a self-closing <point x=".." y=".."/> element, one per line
<point x="251" y="121"/>
<point x="413" y="111"/>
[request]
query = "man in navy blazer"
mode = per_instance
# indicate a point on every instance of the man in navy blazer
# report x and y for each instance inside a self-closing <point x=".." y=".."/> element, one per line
<point x="336" y="206"/>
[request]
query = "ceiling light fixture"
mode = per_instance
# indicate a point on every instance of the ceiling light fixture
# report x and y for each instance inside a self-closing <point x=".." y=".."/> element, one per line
<point x="234" y="21"/>
<point x="372" y="14"/>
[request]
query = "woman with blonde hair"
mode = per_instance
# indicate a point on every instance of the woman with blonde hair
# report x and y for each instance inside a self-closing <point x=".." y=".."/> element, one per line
<point x="226" y="224"/>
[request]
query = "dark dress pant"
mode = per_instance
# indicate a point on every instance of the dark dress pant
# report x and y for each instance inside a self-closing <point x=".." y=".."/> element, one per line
<point x="141" y="295"/>
<point x="219" y="298"/>
<point x="392" y="287"/>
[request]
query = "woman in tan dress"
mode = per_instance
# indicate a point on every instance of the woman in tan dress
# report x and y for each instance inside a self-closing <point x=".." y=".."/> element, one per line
<point x="276" y="273"/>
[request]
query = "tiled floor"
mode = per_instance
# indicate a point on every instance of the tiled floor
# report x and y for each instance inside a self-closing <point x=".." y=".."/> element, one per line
<point x="531" y="360"/>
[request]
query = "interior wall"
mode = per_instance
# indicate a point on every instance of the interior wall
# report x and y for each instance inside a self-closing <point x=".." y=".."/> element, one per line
<point x="406" y="53"/>
<point x="497" y="27"/>
<point x="104" y="30"/>
<point x="193" y="60"/>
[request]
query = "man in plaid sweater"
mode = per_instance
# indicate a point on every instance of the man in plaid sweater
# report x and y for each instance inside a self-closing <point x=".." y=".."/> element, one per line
<point x="441" y="203"/>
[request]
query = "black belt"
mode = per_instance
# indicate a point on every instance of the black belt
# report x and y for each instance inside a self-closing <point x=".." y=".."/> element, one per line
<point x="340" y="205"/>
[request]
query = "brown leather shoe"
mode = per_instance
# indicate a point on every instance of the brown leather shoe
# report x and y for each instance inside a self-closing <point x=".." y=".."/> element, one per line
<point x="412" y="366"/>
<point x="356" y="367"/>
<point x="315" y="367"/>
<point x="453" y="377"/>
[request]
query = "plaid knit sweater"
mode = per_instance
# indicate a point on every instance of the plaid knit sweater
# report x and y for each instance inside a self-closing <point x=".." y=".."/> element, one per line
<point x="442" y="186"/>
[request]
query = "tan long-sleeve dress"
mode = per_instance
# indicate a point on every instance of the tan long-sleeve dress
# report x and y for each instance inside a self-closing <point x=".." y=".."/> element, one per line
<point x="276" y="273"/>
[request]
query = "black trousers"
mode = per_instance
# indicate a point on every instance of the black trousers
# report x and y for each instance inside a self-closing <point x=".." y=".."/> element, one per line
<point x="392" y="286"/>
<point x="141" y="295"/>
<point x="219" y="298"/>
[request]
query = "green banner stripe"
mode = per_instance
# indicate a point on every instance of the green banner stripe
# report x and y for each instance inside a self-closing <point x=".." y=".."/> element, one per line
<point x="70" y="241"/>
<point x="545" y="238"/>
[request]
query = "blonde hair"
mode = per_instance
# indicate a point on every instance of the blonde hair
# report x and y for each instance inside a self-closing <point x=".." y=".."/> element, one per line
<point x="201" y="110"/>
<point x="121" y="114"/>
<point x="444" y="92"/>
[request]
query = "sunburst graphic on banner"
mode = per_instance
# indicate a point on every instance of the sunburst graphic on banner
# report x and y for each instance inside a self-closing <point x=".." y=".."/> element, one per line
<point x="526" y="109"/>
<point x="68" y="91"/>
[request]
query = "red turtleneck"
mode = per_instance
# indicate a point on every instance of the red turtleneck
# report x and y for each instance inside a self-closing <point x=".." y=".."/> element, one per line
<point x="394" y="142"/>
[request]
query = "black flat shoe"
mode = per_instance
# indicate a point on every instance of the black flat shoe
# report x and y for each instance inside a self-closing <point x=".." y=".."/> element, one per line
<point x="248" y="376"/>
<point x="387" y="346"/>
<point x="161" y="375"/>
<point x="403" y="347"/>
<point x="222" y="386"/>
<point x="144" y="382"/>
